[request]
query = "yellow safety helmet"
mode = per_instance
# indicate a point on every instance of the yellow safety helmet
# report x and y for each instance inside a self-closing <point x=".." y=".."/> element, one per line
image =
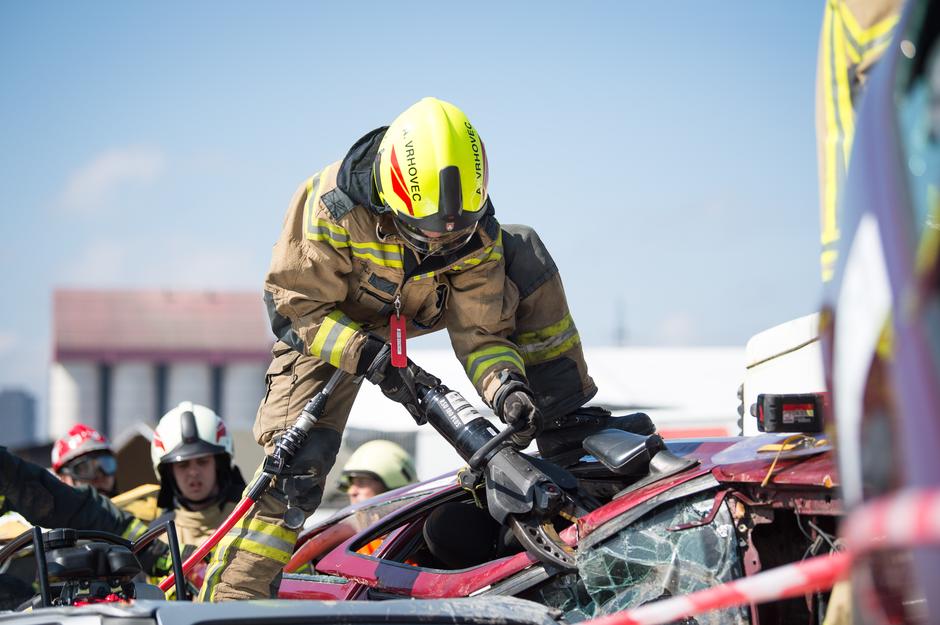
<point x="382" y="460"/>
<point x="431" y="172"/>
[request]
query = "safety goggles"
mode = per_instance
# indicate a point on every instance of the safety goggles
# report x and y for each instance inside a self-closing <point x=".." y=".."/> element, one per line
<point x="88" y="467"/>
<point x="434" y="244"/>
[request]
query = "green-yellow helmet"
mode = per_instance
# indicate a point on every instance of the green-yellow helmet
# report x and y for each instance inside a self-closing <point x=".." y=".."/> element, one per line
<point x="382" y="460"/>
<point x="431" y="172"/>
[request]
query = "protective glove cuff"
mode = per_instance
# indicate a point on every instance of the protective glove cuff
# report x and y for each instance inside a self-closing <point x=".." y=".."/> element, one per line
<point x="371" y="356"/>
<point x="510" y="382"/>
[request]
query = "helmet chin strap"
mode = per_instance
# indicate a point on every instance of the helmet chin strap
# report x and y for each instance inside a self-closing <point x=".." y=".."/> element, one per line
<point x="200" y="504"/>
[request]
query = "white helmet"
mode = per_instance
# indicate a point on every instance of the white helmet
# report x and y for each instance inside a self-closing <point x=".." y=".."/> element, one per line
<point x="193" y="431"/>
<point x="189" y="431"/>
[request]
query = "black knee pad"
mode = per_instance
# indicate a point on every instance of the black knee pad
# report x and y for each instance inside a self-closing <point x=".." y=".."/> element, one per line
<point x="301" y="484"/>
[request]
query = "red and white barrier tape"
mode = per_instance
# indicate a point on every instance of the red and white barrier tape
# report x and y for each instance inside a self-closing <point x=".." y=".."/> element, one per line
<point x="907" y="519"/>
<point x="793" y="580"/>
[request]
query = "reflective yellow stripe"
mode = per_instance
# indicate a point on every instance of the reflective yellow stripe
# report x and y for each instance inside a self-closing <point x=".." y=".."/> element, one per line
<point x="536" y="336"/>
<point x="214" y="570"/>
<point x="929" y="247"/>
<point x="829" y="230"/>
<point x="876" y="50"/>
<point x="3" y="499"/>
<point x="843" y="93"/>
<point x="845" y="45"/>
<point x="552" y="350"/>
<point x="310" y="208"/>
<point x="494" y="251"/>
<point x="263" y="547"/>
<point x="276" y="531"/>
<point x="331" y="339"/>
<point x="384" y="254"/>
<point x="549" y="342"/>
<point x="480" y="361"/>
<point x="323" y="230"/>
<point x="885" y="346"/>
<point x="315" y="228"/>
<point x="264" y="539"/>
<point x="864" y="36"/>
<point x="261" y="538"/>
<point x="134" y="530"/>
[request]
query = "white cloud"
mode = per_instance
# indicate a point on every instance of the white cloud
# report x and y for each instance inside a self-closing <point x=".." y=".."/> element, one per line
<point x="677" y="328"/>
<point x="102" y="263"/>
<point x="176" y="263"/>
<point x="201" y="266"/>
<point x="93" y="185"/>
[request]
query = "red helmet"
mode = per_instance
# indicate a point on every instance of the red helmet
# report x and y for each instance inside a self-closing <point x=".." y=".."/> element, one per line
<point x="80" y="440"/>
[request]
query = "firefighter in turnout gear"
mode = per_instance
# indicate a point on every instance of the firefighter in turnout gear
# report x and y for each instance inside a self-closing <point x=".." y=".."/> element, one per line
<point x="192" y="456"/>
<point x="84" y="456"/>
<point x="855" y="33"/>
<point x="199" y="487"/>
<point x="401" y="236"/>
<point x="374" y="468"/>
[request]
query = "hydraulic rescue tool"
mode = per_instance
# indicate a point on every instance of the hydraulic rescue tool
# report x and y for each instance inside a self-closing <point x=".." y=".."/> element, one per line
<point x="527" y="494"/>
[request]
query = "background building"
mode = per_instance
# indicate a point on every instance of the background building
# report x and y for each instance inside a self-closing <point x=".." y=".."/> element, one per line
<point x="121" y="359"/>
<point x="17" y="418"/>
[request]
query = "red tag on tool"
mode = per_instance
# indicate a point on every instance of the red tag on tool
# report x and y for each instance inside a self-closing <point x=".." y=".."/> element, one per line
<point x="396" y="338"/>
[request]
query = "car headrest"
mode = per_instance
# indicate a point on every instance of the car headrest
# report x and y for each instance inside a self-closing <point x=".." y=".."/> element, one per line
<point x="624" y="453"/>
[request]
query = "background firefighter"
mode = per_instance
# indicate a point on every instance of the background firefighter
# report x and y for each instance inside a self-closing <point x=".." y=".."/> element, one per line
<point x="403" y="231"/>
<point x="376" y="467"/>
<point x="199" y="486"/>
<point x="84" y="456"/>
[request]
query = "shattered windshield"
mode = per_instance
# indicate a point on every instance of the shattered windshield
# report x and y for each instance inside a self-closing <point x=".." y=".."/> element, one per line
<point x="645" y="562"/>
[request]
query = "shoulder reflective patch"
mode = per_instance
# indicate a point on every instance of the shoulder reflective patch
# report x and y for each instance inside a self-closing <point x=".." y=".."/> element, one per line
<point x="337" y="203"/>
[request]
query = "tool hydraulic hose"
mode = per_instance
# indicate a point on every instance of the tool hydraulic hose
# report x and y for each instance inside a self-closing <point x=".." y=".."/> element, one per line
<point x="285" y="448"/>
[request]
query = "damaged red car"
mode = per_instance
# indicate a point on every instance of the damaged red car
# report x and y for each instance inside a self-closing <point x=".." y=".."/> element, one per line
<point x="657" y="519"/>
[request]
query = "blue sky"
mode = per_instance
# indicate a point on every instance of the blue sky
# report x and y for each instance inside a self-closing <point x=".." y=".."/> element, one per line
<point x="664" y="150"/>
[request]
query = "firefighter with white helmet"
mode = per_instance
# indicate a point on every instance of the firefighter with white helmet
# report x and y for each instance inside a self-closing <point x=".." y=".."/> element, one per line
<point x="376" y="467"/>
<point x="192" y="455"/>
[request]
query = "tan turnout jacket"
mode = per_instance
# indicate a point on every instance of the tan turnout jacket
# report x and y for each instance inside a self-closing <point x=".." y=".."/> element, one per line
<point x="339" y="268"/>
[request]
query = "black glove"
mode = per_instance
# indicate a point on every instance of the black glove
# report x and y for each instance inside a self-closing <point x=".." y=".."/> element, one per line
<point x="398" y="384"/>
<point x="374" y="357"/>
<point x="516" y="407"/>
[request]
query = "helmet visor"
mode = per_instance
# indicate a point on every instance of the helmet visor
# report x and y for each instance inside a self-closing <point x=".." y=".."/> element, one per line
<point x="434" y="243"/>
<point x="88" y="467"/>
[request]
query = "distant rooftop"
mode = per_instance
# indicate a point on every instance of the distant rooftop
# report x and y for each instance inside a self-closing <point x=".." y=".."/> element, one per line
<point x="160" y="325"/>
